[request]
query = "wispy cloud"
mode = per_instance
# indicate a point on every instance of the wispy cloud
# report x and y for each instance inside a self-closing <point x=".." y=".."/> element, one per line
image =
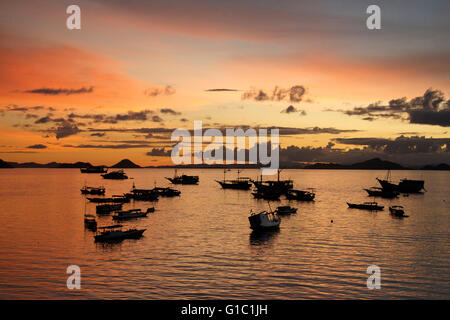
<point x="61" y="91"/>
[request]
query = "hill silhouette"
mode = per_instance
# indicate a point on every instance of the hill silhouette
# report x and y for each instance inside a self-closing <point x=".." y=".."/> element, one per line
<point x="125" y="163"/>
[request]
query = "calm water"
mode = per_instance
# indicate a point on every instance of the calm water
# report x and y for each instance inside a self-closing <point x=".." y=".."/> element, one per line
<point x="200" y="246"/>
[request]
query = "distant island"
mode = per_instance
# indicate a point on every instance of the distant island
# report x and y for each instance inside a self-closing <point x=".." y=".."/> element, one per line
<point x="371" y="164"/>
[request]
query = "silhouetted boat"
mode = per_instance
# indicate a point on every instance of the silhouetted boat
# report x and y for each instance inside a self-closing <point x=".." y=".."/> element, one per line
<point x="183" y="179"/>
<point x="94" y="169"/>
<point x="286" y="210"/>
<point x="264" y="221"/>
<point x="131" y="214"/>
<point x="241" y="183"/>
<point x="166" y="192"/>
<point x="108" y="208"/>
<point x="276" y="186"/>
<point x="116" y="175"/>
<point x="404" y="186"/>
<point x="372" y="206"/>
<point x="142" y="194"/>
<point x="267" y="194"/>
<point x="90" y="222"/>
<point x="300" y="195"/>
<point x="93" y="190"/>
<point x="397" y="211"/>
<point x="115" y="232"/>
<point x="113" y="199"/>
<point x="381" y="192"/>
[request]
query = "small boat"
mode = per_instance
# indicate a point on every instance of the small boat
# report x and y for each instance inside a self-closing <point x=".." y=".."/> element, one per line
<point x="300" y="195"/>
<point x="166" y="192"/>
<point x="286" y="210"/>
<point x="381" y="192"/>
<point x="115" y="175"/>
<point x="131" y="214"/>
<point x="113" y="199"/>
<point x="90" y="222"/>
<point x="183" y="179"/>
<point x="373" y="206"/>
<point x="108" y="208"/>
<point x="397" y="211"/>
<point x="94" y="169"/>
<point x="93" y="190"/>
<point x="241" y="183"/>
<point x="115" y="233"/>
<point x="264" y="221"/>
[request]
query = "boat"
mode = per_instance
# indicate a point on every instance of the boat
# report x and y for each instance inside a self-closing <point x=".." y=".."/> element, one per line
<point x="183" y="179"/>
<point x="108" y="208"/>
<point x="166" y="192"/>
<point x="277" y="186"/>
<point x="113" y="199"/>
<point x="373" y="206"/>
<point x="404" y="186"/>
<point x="131" y="214"/>
<point x="300" y="195"/>
<point x="286" y="210"/>
<point x="264" y="221"/>
<point x="93" y="190"/>
<point x="115" y="233"/>
<point x="115" y="175"/>
<point x="397" y="211"/>
<point x="142" y="194"/>
<point x="381" y="192"/>
<point x="94" y="169"/>
<point x="241" y="183"/>
<point x="90" y="222"/>
<point x="266" y="194"/>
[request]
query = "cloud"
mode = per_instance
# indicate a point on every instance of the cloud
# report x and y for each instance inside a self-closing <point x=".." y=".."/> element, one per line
<point x="292" y="109"/>
<point x="157" y="91"/>
<point x="37" y="146"/>
<point x="66" y="129"/>
<point x="294" y="94"/>
<point x="170" y="111"/>
<point x="431" y="108"/>
<point x="156" y="152"/>
<point x="98" y="134"/>
<point x="108" y="146"/>
<point x="221" y="90"/>
<point x="157" y="119"/>
<point x="61" y="91"/>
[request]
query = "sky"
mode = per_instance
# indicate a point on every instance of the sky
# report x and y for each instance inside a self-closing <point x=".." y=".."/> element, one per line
<point x="137" y="70"/>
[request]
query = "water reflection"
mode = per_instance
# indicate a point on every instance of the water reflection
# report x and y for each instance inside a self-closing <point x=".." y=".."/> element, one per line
<point x="258" y="238"/>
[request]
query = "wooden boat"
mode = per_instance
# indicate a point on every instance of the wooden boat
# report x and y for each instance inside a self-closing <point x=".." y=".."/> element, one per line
<point x="131" y="214"/>
<point x="264" y="221"/>
<point x="113" y="199"/>
<point x="300" y="195"/>
<point x="277" y="186"/>
<point x="142" y="194"/>
<point x="267" y="194"/>
<point x="183" y="179"/>
<point x="94" y="169"/>
<point x="241" y="183"/>
<point x="166" y="192"/>
<point x="381" y="192"/>
<point x="286" y="210"/>
<point x="115" y="233"/>
<point x="93" y="190"/>
<point x="372" y="206"/>
<point x="108" y="208"/>
<point x="404" y="186"/>
<point x="115" y="175"/>
<point x="397" y="211"/>
<point x="90" y="222"/>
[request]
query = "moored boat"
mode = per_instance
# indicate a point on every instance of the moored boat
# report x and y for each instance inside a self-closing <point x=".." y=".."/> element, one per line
<point x="115" y="175"/>
<point x="372" y="206"/>
<point x="131" y="214"/>
<point x="113" y="199"/>
<point x="90" y="222"/>
<point x="166" y="192"/>
<point x="300" y="195"/>
<point x="93" y="190"/>
<point x="381" y="192"/>
<point x="286" y="210"/>
<point x="397" y="211"/>
<point x="115" y="233"/>
<point x="183" y="179"/>
<point x="404" y="186"/>
<point x="241" y="183"/>
<point x="264" y="221"/>
<point x="94" y="169"/>
<point x="108" y="208"/>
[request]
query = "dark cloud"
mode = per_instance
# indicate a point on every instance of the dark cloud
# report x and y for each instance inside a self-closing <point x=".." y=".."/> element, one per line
<point x="98" y="134"/>
<point x="37" y="146"/>
<point x="292" y="109"/>
<point x="112" y="119"/>
<point x="61" y="91"/>
<point x="221" y="90"/>
<point x="108" y="146"/>
<point x="159" y="152"/>
<point x="157" y="119"/>
<point x="431" y="109"/>
<point x="157" y="91"/>
<point x="66" y="129"/>
<point x="294" y="94"/>
<point x="170" y="111"/>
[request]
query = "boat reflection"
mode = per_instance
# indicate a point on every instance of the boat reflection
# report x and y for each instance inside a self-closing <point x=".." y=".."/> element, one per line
<point x="258" y="238"/>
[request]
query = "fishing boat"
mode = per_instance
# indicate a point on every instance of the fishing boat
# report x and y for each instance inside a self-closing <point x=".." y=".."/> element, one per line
<point x="404" y="186"/>
<point x="113" y="199"/>
<point x="372" y="206"/>
<point x="94" y="169"/>
<point x="381" y="192"/>
<point x="108" y="208"/>
<point x="241" y="183"/>
<point x="115" y="233"/>
<point x="183" y="179"/>
<point x="115" y="175"/>
<point x="278" y="186"/>
<point x="300" y="195"/>
<point x="166" y="192"/>
<point x="93" y="190"/>
<point x="266" y="194"/>
<point x="131" y="214"/>
<point x="142" y="194"/>
<point x="286" y="210"/>
<point x="264" y="221"/>
<point x="397" y="211"/>
<point x="90" y="222"/>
